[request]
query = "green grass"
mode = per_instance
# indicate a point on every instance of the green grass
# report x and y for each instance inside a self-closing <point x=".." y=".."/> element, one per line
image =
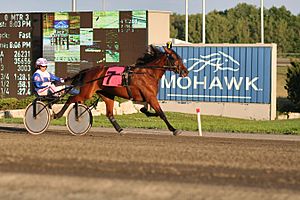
<point x="188" y="122"/>
<point x="209" y="123"/>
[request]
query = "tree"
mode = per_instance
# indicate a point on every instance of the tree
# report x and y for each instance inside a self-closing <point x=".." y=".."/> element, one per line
<point x="177" y="26"/>
<point x="218" y="28"/>
<point x="283" y="32"/>
<point x="292" y="83"/>
<point x="241" y="24"/>
<point x="195" y="28"/>
<point x="245" y="20"/>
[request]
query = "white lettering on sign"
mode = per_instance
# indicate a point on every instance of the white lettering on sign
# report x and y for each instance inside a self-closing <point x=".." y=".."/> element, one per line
<point x="212" y="79"/>
<point x="181" y="85"/>
<point x="24" y="35"/>
<point x="250" y="82"/>
<point x="215" y="83"/>
<point x="203" y="82"/>
<point x="15" y="38"/>
<point x="233" y="83"/>
<point x="4" y="35"/>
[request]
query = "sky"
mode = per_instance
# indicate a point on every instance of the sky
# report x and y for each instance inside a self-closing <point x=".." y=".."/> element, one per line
<point x="176" y="6"/>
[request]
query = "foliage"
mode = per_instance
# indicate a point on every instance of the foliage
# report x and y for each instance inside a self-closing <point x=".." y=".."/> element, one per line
<point x="8" y="103"/>
<point x="241" y="24"/>
<point x="13" y="103"/>
<point x="23" y="103"/>
<point x="292" y="83"/>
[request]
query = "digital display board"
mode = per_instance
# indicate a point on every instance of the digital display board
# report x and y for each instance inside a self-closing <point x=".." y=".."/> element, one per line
<point x="73" y="41"/>
<point x="70" y="41"/>
<point x="16" y="53"/>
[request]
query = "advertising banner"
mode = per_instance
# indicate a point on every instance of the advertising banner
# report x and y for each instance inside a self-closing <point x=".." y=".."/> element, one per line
<point x="221" y="74"/>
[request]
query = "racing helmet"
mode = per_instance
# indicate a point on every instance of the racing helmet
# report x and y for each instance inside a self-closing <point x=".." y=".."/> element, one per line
<point x="41" y="62"/>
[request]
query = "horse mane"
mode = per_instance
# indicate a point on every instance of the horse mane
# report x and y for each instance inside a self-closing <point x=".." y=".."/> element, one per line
<point x="151" y="54"/>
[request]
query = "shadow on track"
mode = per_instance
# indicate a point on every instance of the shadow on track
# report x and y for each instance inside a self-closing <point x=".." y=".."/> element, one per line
<point x="12" y="129"/>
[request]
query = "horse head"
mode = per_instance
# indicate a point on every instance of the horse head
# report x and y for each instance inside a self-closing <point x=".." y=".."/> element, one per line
<point x="175" y="61"/>
<point x="167" y="60"/>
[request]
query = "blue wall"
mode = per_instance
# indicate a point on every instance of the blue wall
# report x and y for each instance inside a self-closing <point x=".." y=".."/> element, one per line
<point x="221" y="74"/>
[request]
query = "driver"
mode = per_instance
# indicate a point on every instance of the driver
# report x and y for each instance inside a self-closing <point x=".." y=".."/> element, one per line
<point x="44" y="82"/>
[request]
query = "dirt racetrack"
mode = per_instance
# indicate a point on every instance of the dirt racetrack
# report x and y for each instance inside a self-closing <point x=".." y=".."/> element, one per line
<point x="103" y="165"/>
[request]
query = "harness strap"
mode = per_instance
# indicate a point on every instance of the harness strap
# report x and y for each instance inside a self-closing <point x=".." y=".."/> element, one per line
<point x="126" y="77"/>
<point x="131" y="72"/>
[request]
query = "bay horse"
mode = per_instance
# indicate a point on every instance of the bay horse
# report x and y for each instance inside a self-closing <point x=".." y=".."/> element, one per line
<point x="142" y="87"/>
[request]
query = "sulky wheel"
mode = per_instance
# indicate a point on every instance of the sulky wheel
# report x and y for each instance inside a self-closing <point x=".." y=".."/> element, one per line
<point x="38" y="122"/>
<point x="79" y="119"/>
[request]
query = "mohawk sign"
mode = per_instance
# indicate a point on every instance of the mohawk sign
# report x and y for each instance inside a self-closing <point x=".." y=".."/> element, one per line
<point x="221" y="74"/>
<point x="213" y="60"/>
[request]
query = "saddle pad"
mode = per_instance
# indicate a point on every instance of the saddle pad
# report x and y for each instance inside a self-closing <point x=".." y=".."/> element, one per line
<point x="113" y="76"/>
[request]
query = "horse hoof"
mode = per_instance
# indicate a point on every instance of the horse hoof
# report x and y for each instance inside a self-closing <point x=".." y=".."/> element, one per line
<point x="176" y="132"/>
<point x="121" y="132"/>
<point x="143" y="110"/>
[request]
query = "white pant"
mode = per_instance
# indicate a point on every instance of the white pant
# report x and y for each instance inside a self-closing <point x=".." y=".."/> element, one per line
<point x="51" y="89"/>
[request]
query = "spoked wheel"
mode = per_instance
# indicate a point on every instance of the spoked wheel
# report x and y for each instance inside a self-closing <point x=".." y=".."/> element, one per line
<point x="79" y="119"/>
<point x="39" y="123"/>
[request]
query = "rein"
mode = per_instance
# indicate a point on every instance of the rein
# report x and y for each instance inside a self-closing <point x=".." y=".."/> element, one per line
<point x="170" y="68"/>
<point x="132" y="67"/>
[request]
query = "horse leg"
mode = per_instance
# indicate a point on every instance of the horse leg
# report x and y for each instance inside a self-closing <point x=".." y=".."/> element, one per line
<point x="109" y="102"/>
<point x="71" y="99"/>
<point x="147" y="113"/>
<point x="155" y="105"/>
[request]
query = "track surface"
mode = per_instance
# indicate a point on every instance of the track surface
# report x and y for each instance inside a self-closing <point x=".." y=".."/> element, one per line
<point x="103" y="165"/>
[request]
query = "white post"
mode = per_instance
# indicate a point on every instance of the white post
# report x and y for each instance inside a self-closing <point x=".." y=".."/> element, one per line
<point x="199" y="121"/>
<point x="262" y="21"/>
<point x="203" y="21"/>
<point x="186" y="21"/>
<point x="103" y="5"/>
<point x="74" y="6"/>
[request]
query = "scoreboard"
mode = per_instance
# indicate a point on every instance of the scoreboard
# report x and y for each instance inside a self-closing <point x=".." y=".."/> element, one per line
<point x="70" y="41"/>
<point x="15" y="54"/>
<point x="73" y="41"/>
<point x="20" y="45"/>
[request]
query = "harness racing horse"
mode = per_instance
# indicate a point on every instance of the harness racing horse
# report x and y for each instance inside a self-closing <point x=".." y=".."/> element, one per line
<point x="142" y="84"/>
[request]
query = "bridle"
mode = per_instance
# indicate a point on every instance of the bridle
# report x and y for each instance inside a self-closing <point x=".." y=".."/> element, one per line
<point x="171" y="66"/>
